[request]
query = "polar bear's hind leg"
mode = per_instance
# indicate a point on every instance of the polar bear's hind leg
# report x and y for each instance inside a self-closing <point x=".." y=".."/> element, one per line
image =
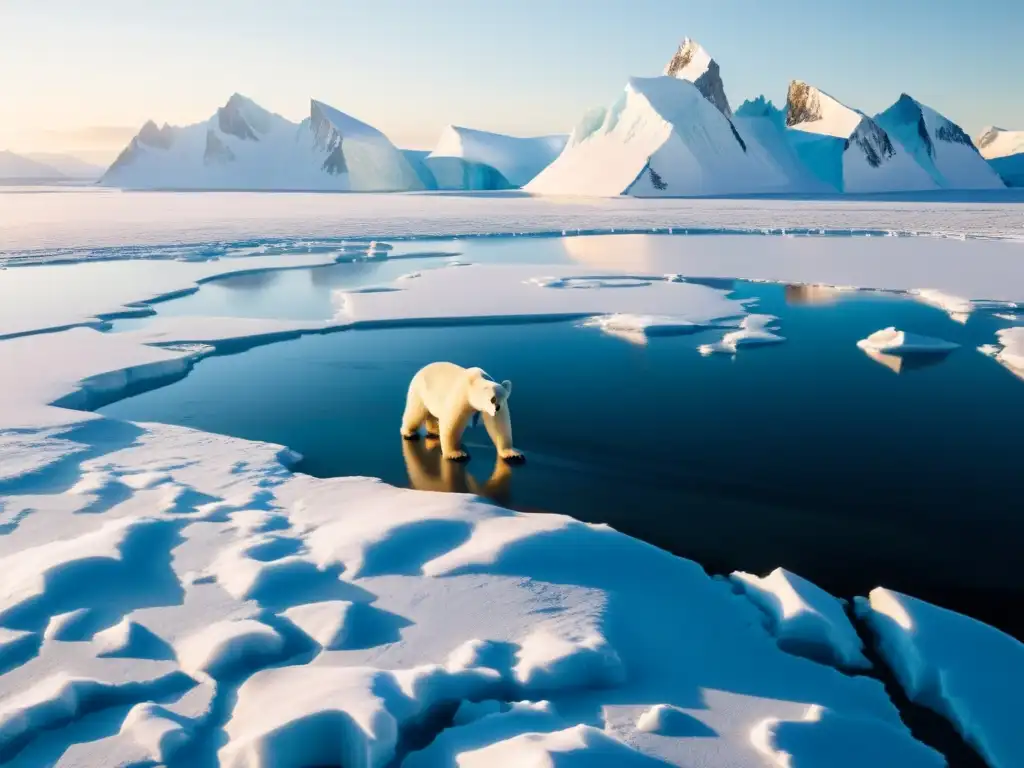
<point x="433" y="429"/>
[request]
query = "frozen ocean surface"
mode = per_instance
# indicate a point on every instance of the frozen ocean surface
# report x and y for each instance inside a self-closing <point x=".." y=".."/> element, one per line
<point x="178" y="597"/>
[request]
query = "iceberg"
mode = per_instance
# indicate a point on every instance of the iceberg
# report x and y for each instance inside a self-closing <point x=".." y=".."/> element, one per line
<point x="661" y="138"/>
<point x="939" y="145"/>
<point x="847" y="149"/>
<point x="469" y="159"/>
<point x="246" y="147"/>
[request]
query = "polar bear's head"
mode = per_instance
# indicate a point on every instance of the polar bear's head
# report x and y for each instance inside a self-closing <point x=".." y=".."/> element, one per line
<point x="487" y="395"/>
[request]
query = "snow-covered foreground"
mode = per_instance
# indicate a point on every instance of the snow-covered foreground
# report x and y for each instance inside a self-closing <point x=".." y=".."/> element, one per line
<point x="78" y="223"/>
<point x="181" y="598"/>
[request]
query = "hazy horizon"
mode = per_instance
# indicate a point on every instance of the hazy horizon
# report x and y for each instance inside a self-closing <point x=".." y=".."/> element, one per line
<point x="86" y="84"/>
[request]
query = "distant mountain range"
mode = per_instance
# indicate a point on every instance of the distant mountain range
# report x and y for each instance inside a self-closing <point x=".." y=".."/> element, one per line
<point x="674" y="135"/>
<point x="45" y="166"/>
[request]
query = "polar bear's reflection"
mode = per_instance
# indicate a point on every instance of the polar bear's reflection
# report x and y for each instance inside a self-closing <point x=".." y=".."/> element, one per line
<point x="428" y="471"/>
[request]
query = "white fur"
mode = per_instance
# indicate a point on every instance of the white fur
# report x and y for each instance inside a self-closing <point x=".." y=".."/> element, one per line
<point x="445" y="396"/>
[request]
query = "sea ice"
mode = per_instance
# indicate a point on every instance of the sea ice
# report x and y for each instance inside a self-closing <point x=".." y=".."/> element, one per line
<point x="969" y="672"/>
<point x="754" y="331"/>
<point x="893" y="342"/>
<point x="806" y="619"/>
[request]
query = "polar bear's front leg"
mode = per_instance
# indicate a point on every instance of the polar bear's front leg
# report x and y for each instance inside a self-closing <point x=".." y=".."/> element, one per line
<point x="499" y="427"/>
<point x="451" y="428"/>
<point x="415" y="414"/>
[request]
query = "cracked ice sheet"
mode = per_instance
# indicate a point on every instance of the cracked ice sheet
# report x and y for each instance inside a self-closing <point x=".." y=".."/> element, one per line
<point x="456" y="594"/>
<point x="478" y="292"/>
<point x="34" y="298"/>
<point x="968" y="672"/>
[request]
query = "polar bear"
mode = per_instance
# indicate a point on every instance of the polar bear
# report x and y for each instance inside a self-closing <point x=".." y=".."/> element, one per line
<point x="445" y="396"/>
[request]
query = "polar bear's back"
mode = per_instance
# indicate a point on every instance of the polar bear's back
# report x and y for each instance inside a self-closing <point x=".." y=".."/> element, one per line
<point x="435" y="382"/>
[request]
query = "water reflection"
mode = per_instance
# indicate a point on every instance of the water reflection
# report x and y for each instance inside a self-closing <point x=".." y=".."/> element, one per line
<point x="797" y="295"/>
<point x="429" y="471"/>
<point x="904" y="363"/>
<point x="250" y="281"/>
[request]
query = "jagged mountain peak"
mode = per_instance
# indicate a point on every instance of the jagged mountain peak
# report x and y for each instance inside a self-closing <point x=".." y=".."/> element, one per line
<point x="692" y="62"/>
<point x="243" y="118"/>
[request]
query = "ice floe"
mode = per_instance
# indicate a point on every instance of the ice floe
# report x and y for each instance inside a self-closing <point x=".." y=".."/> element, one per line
<point x="1010" y="349"/>
<point x="969" y="672"/>
<point x="754" y="330"/>
<point x="894" y="342"/>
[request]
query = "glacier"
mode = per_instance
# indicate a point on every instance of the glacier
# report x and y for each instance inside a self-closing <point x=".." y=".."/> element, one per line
<point x="465" y="158"/>
<point x="692" y="62"/>
<point x="246" y="147"/>
<point x="939" y="145"/>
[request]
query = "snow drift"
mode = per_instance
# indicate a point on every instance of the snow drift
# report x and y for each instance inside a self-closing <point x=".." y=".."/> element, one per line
<point x="468" y="159"/>
<point x="662" y="137"/>
<point x="847" y="149"/>
<point x="939" y="145"/>
<point x="243" y="146"/>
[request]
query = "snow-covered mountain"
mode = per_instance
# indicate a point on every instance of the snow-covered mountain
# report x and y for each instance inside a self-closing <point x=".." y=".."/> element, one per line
<point x="939" y="145"/>
<point x="1005" y="153"/>
<point x="662" y="137"/>
<point x="23" y="168"/>
<point x="999" y="142"/>
<point x="847" y="149"/>
<point x="67" y="165"/>
<point x="763" y="125"/>
<point x="469" y="159"/>
<point x="691" y="62"/>
<point x="244" y="146"/>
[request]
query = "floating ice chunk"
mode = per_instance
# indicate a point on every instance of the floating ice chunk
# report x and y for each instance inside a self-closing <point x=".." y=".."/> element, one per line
<point x="325" y="622"/>
<point x="228" y="647"/>
<point x="893" y="342"/>
<point x="754" y="330"/>
<point x="637" y="329"/>
<point x="958" y="308"/>
<point x="409" y="276"/>
<point x="157" y="730"/>
<point x="580" y="745"/>
<point x="965" y="670"/>
<point x="825" y="738"/>
<point x="1010" y="349"/>
<point x="806" y="619"/>
<point x="549" y="662"/>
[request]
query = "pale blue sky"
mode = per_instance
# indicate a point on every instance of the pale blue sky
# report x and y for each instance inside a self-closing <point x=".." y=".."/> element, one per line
<point x="523" y="67"/>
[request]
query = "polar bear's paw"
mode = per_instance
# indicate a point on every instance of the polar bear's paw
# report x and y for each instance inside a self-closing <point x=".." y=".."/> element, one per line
<point x="457" y="455"/>
<point x="415" y="435"/>
<point x="512" y="456"/>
